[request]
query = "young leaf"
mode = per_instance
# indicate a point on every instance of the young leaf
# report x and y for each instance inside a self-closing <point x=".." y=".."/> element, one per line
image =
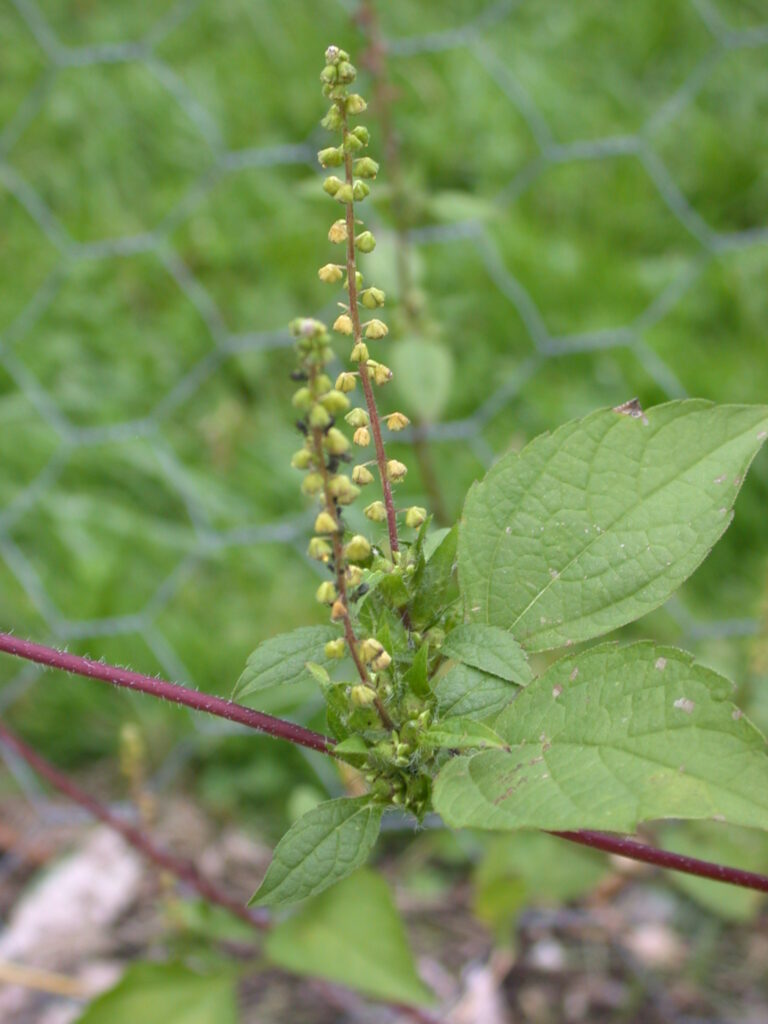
<point x="490" y="649"/>
<point x="462" y="734"/>
<point x="435" y="581"/>
<point x="326" y="844"/>
<point x="159" y="993"/>
<point x="595" y="525"/>
<point x="609" y="738"/>
<point x="283" y="659"/>
<point x="470" y="693"/>
<point x="351" y="935"/>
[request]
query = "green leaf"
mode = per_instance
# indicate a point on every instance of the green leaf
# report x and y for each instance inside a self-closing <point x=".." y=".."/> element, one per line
<point x="435" y="584"/>
<point x="470" y="693"/>
<point x="325" y="845"/>
<point x="595" y="525"/>
<point x="417" y="675"/>
<point x="353" y="749"/>
<point x="462" y="734"/>
<point x="351" y="935"/>
<point x="609" y="738"/>
<point x="490" y="649"/>
<point x="159" y="993"/>
<point x="283" y="659"/>
<point x="423" y="373"/>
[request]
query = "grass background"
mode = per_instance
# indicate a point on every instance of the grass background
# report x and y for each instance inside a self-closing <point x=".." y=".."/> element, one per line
<point x="587" y="186"/>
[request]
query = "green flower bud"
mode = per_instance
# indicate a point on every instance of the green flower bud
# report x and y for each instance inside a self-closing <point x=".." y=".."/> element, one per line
<point x="333" y="120"/>
<point x="329" y="74"/>
<point x="381" y="662"/>
<point x="362" y="475"/>
<point x="359" y="352"/>
<point x="325" y="523"/>
<point x="362" y="696"/>
<point x="331" y="273"/>
<point x="358" y="281"/>
<point x="338" y="232"/>
<point x="343" y="490"/>
<point x="358" y="549"/>
<point x="332" y="54"/>
<point x="319" y="549"/>
<point x="332" y="185"/>
<point x="376" y="512"/>
<point x="302" y="399"/>
<point x="356" y="104"/>
<point x="365" y="241"/>
<point x="357" y="418"/>
<point x="336" y="648"/>
<point x="362" y="437"/>
<point x="359" y="191"/>
<point x="365" y="167"/>
<point x="326" y="593"/>
<point x="336" y="402"/>
<point x="381" y="374"/>
<point x="319" y="417"/>
<point x="354" y="575"/>
<point x="396" y="470"/>
<point x="312" y="484"/>
<point x="351" y="143"/>
<point x="376" y="329"/>
<point x="415" y="516"/>
<point x="370" y="649"/>
<point x="322" y="383"/>
<point x="372" y="298"/>
<point x="336" y="443"/>
<point x="343" y="324"/>
<point x="362" y="134"/>
<point x="397" y="421"/>
<point x="346" y="382"/>
<point x="331" y="157"/>
<point x="306" y="327"/>
<point x="347" y="72"/>
<point x="345" y="194"/>
<point x="302" y="459"/>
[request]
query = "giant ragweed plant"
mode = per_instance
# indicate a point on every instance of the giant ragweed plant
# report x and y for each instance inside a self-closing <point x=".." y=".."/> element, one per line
<point x="429" y="667"/>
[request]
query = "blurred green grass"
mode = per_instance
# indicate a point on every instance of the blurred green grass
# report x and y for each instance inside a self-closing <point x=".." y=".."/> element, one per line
<point x="189" y="518"/>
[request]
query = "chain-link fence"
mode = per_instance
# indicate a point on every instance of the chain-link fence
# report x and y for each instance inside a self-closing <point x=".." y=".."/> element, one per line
<point x="119" y="155"/>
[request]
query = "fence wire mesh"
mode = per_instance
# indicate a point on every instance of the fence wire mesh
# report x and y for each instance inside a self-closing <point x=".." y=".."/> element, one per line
<point x="112" y="530"/>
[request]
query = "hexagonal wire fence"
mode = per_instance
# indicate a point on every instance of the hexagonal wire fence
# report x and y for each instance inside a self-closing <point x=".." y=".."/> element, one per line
<point x="222" y="343"/>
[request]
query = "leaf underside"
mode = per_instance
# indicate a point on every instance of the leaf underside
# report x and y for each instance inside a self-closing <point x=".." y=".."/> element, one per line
<point x="282" y="659"/>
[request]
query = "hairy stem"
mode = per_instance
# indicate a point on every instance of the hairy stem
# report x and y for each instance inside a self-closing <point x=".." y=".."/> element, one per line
<point x="181" y="868"/>
<point x="167" y="691"/>
<point x="620" y="845"/>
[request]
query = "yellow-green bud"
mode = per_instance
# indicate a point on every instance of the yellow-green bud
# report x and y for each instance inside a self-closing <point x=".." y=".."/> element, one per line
<point x="319" y="417"/>
<point x="325" y="523"/>
<point x="356" y="104"/>
<point x="331" y="157"/>
<point x="343" y="324"/>
<point x="362" y="475"/>
<point x="336" y="648"/>
<point x="345" y="194"/>
<point x="359" y="352"/>
<point x="330" y="273"/>
<point x="302" y="399"/>
<point x="354" y="575"/>
<point x="381" y="661"/>
<point x="357" y="418"/>
<point x="322" y="383"/>
<point x="358" y="549"/>
<point x="312" y="484"/>
<point x="352" y="144"/>
<point x="372" y="298"/>
<point x="326" y="593"/>
<point x="333" y="120"/>
<point x="376" y="329"/>
<point x="336" y="402"/>
<point x="365" y="241"/>
<point x="365" y="167"/>
<point x="362" y="696"/>
<point x="336" y="442"/>
<point x="329" y="74"/>
<point x="302" y="459"/>
<point x="343" y="490"/>
<point x="346" y="382"/>
<point x="376" y="512"/>
<point x="362" y="436"/>
<point x="396" y="470"/>
<point x="362" y="134"/>
<point x="338" y="232"/>
<point x="397" y="421"/>
<point x="358" y="281"/>
<point x="332" y="184"/>
<point x="369" y="649"/>
<point x="346" y="71"/>
<point x="415" y="516"/>
<point x="381" y="374"/>
<point x="319" y="549"/>
<point x="359" y="191"/>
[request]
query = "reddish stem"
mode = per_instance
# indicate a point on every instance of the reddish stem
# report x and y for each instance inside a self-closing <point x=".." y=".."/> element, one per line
<point x="167" y="691"/>
<point x="181" y="868"/>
